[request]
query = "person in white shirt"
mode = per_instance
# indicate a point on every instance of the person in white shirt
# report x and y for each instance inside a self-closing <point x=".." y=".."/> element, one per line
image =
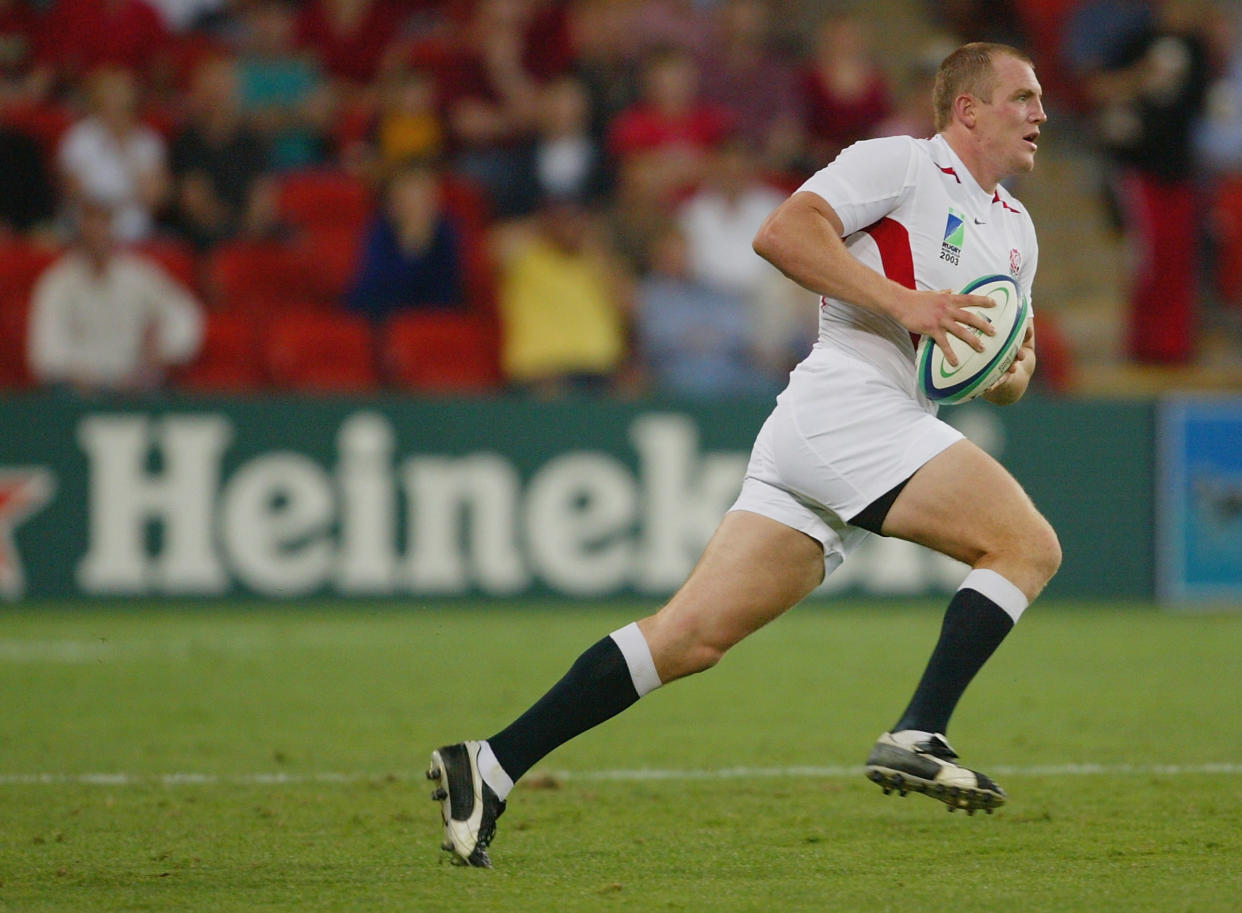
<point x="851" y="449"/>
<point x="112" y="156"/>
<point x="719" y="221"/>
<point x="102" y="319"/>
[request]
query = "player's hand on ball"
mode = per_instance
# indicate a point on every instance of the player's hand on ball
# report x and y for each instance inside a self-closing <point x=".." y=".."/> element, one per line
<point x="943" y="313"/>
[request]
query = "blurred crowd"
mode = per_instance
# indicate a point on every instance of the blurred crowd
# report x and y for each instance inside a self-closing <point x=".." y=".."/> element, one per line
<point x="538" y="195"/>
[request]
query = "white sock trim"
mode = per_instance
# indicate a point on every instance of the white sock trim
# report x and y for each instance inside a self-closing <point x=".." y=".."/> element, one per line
<point x="997" y="589"/>
<point x="492" y="773"/>
<point x="637" y="655"/>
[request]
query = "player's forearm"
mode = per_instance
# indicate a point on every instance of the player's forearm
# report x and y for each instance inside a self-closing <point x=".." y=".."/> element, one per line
<point x="1012" y="387"/>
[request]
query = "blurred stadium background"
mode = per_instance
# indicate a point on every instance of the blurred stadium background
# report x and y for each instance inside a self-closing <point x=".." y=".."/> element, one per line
<point x="462" y="300"/>
<point x="440" y="325"/>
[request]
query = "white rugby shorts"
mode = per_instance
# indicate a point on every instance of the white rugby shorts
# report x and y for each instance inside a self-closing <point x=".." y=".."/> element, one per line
<point x="843" y="433"/>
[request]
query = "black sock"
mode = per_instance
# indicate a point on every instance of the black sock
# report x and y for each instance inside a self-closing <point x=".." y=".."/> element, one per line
<point x="973" y="628"/>
<point x="596" y="688"/>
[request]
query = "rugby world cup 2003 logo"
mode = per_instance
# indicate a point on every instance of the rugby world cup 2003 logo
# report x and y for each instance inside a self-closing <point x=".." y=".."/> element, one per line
<point x="954" y="236"/>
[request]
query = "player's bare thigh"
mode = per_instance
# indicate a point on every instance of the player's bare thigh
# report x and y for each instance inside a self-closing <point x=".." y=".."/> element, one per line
<point x="752" y="571"/>
<point x="964" y="504"/>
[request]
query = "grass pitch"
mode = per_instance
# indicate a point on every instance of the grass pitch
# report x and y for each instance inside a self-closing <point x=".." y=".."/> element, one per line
<point x="253" y="759"/>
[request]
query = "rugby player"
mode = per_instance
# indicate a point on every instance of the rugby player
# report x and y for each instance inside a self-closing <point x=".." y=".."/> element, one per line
<point x="851" y="449"/>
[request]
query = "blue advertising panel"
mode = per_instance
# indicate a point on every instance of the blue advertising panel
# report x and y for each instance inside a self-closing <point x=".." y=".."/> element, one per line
<point x="1199" y="515"/>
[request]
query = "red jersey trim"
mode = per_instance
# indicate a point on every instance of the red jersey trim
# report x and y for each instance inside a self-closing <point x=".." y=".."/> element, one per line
<point x="996" y="198"/>
<point x="893" y="241"/>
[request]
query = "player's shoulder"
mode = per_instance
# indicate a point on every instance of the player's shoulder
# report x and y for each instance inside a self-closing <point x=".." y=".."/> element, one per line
<point x="886" y="147"/>
<point x="897" y="157"/>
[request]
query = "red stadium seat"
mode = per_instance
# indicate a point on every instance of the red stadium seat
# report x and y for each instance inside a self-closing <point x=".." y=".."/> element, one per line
<point x="330" y="258"/>
<point x="256" y="277"/>
<point x="14" y="364"/>
<point x="321" y="352"/>
<point x="230" y="359"/>
<point x="21" y="264"/>
<point x="466" y="202"/>
<point x="441" y="352"/>
<point x="175" y="257"/>
<point x="324" y="198"/>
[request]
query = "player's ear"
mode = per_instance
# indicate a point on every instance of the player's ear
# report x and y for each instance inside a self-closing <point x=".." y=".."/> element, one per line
<point x="964" y="108"/>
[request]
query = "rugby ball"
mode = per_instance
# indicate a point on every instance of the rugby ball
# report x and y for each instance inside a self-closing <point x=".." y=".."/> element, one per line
<point x="975" y="372"/>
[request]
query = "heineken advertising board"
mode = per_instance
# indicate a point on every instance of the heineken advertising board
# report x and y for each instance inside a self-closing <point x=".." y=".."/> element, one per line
<point x="292" y="498"/>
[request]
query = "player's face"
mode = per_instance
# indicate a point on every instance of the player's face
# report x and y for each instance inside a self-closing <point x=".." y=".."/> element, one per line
<point x="1008" y="125"/>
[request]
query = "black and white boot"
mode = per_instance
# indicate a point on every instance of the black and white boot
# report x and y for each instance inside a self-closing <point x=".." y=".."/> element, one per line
<point x="468" y="806"/>
<point x="917" y="762"/>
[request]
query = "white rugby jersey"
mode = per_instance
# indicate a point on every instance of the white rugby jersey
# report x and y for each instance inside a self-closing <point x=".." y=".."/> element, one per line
<point x="912" y="211"/>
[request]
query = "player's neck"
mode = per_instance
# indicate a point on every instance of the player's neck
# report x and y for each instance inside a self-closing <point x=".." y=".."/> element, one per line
<point x="973" y="160"/>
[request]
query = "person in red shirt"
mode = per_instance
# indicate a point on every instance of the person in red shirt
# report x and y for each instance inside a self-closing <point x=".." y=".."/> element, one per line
<point x="669" y="131"/>
<point x="844" y="93"/>
<point x="350" y="37"/>
<point x="490" y="101"/>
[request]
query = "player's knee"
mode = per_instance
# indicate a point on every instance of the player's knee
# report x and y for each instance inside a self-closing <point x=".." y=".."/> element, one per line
<point x="698" y="654"/>
<point x="687" y="661"/>
<point x="1044" y="551"/>
<point x="682" y="648"/>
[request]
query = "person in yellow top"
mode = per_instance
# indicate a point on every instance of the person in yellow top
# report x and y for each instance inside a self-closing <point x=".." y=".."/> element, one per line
<point x="562" y="304"/>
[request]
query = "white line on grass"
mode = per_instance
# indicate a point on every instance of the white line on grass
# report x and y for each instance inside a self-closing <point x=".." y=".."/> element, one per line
<point x="831" y="772"/>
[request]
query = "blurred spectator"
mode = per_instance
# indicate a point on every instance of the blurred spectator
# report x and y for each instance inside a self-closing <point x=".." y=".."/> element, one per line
<point x="565" y="160"/>
<point x="282" y="89"/>
<point x="1218" y="138"/>
<point x="22" y="75"/>
<point x="412" y="256"/>
<point x="844" y="93"/>
<point x="694" y="339"/>
<point x="1149" y="101"/>
<point x="682" y="24"/>
<point x="669" y="132"/>
<point x="491" y="101"/>
<point x="636" y="209"/>
<point x="604" y="59"/>
<point x="110" y="156"/>
<point x="1098" y="33"/>
<point x="547" y="48"/>
<point x="27" y="199"/>
<point x="408" y="125"/>
<point x="81" y="36"/>
<point x="218" y="163"/>
<point x="102" y="319"/>
<point x="745" y="76"/>
<point x="721" y="217"/>
<point x="979" y="20"/>
<point x="562" y="159"/>
<point x="562" y="305"/>
<point x="912" y="115"/>
<point x="719" y="222"/>
<point x="180" y="16"/>
<point x="350" y="37"/>
<point x="1218" y="144"/>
